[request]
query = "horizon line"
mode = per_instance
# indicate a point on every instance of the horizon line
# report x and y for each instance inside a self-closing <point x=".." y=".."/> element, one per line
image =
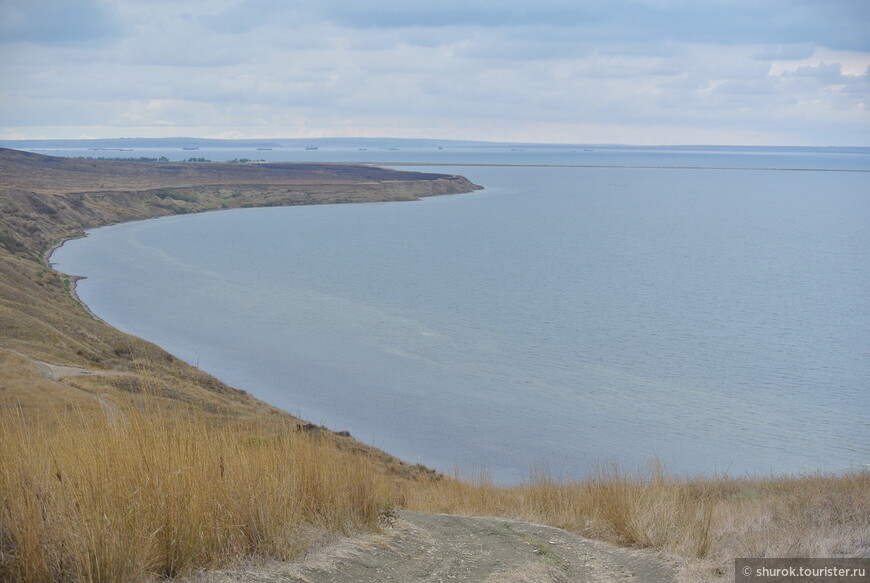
<point x="437" y="140"/>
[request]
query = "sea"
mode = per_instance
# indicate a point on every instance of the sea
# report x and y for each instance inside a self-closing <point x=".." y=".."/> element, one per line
<point x="708" y="310"/>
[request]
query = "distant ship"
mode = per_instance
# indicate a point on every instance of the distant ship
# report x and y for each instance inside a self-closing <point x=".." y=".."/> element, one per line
<point x="311" y="148"/>
<point x="264" y="148"/>
<point x="190" y="148"/>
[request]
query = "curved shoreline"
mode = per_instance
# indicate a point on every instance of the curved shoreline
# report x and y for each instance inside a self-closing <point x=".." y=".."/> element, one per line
<point x="73" y="284"/>
<point x="49" y="200"/>
<point x="72" y="280"/>
<point x="191" y="355"/>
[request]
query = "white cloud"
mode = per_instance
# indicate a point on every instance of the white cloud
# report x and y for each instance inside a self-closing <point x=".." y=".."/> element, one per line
<point x="850" y="62"/>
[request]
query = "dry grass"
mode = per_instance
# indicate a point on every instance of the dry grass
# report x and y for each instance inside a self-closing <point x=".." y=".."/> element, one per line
<point x="703" y="523"/>
<point x="22" y="386"/>
<point x="158" y="495"/>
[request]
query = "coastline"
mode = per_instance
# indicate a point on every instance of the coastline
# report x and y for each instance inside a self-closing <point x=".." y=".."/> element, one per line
<point x="70" y="281"/>
<point x="191" y="355"/>
<point x="71" y="288"/>
<point x="49" y="200"/>
<point x="305" y="424"/>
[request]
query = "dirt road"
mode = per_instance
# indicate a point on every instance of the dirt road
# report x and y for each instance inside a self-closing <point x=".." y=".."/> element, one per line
<point x="440" y="548"/>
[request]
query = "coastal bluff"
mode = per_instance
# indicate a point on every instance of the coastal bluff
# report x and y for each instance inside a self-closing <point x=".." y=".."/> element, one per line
<point x="47" y="198"/>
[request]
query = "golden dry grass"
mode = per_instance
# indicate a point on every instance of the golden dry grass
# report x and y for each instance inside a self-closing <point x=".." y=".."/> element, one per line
<point x="21" y="386"/>
<point x="704" y="524"/>
<point x="82" y="499"/>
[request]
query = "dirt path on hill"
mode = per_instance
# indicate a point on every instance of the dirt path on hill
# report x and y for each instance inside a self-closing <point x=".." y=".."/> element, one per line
<point x="56" y="372"/>
<point x="441" y="548"/>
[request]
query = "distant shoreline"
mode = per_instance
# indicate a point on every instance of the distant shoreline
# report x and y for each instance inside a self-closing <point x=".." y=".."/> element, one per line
<point x="620" y="166"/>
<point x="179" y="142"/>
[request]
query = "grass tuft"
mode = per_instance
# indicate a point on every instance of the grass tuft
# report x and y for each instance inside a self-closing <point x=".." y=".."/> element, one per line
<point x="703" y="523"/>
<point x="88" y="500"/>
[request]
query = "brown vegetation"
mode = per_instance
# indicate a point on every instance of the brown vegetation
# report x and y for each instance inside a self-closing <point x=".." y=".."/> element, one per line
<point x="704" y="524"/>
<point x="161" y="493"/>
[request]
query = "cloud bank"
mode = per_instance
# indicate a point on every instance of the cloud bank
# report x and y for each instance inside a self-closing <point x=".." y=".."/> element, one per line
<point x="790" y="72"/>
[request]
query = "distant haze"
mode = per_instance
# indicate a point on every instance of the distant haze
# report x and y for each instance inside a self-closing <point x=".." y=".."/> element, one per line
<point x="776" y="72"/>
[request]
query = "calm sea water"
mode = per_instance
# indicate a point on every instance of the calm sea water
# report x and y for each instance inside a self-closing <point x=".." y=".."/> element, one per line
<point x="716" y="319"/>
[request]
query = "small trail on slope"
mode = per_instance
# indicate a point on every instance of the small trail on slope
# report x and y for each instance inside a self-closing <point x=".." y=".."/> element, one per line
<point x="442" y="548"/>
<point x="56" y="372"/>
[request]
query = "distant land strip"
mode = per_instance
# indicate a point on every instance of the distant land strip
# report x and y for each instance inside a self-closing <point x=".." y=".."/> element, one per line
<point x="495" y="165"/>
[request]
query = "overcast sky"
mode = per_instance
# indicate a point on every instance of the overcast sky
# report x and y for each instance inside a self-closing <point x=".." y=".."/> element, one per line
<point x="753" y="72"/>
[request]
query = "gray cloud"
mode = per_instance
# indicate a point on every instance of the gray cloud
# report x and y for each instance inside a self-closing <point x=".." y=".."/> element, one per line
<point x="57" y="22"/>
<point x="485" y="69"/>
<point x="840" y="24"/>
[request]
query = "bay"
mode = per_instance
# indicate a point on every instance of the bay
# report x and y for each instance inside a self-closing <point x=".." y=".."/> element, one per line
<point x="715" y="319"/>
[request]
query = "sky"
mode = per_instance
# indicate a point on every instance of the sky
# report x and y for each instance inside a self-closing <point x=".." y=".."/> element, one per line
<point x="735" y="72"/>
